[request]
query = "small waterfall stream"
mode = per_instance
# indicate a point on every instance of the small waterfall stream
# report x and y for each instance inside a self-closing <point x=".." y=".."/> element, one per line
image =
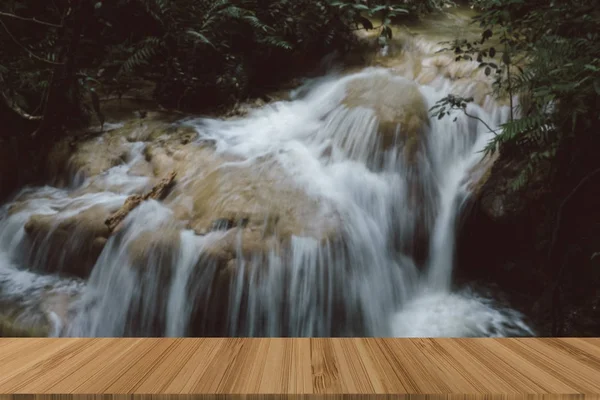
<point x="386" y="270"/>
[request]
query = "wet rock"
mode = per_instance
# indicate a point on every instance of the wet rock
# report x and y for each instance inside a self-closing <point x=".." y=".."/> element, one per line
<point x="499" y="199"/>
<point x="69" y="245"/>
<point x="261" y="199"/>
<point x="75" y="158"/>
<point x="401" y="115"/>
<point x="159" y="248"/>
<point x="479" y="174"/>
<point x="10" y="327"/>
<point x="155" y="127"/>
<point x="152" y="257"/>
<point x="246" y="212"/>
<point x="398" y="105"/>
<point x="158" y="192"/>
<point x="222" y="224"/>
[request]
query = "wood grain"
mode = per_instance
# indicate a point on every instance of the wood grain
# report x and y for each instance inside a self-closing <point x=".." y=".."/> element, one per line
<point x="317" y="368"/>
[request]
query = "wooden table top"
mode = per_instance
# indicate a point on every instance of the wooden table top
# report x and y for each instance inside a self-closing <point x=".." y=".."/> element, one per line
<point x="439" y="368"/>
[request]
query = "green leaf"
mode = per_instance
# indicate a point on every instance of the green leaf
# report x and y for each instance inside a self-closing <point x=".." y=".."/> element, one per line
<point x="378" y="8"/>
<point x="486" y="35"/>
<point x="201" y="37"/>
<point x="399" y="11"/>
<point x="366" y="23"/>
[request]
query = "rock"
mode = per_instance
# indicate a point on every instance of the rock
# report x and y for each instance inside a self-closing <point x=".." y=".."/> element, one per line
<point x="10" y="327"/>
<point x="158" y="192"/>
<point x="69" y="245"/>
<point x="498" y="198"/>
<point x="152" y="257"/>
<point x="210" y="291"/>
<point x="398" y="105"/>
<point x="155" y="127"/>
<point x="245" y="212"/>
<point x="91" y="155"/>
<point x="479" y="174"/>
<point x="223" y="224"/>
<point x="71" y="159"/>
<point x="262" y="199"/>
<point x="159" y="248"/>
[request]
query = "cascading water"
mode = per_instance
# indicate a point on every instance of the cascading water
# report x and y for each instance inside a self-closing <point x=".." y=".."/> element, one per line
<point x="394" y="186"/>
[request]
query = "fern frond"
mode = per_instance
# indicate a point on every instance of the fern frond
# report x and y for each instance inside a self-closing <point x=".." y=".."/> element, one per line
<point x="278" y="42"/>
<point x="512" y="129"/>
<point x="201" y="37"/>
<point x="146" y="50"/>
<point x="233" y="12"/>
<point x="256" y="23"/>
<point x="158" y="9"/>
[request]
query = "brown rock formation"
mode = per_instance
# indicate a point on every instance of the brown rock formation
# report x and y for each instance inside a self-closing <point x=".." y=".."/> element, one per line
<point x="69" y="244"/>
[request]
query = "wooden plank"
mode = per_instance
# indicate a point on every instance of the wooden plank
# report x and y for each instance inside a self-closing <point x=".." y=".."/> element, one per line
<point x="255" y="368"/>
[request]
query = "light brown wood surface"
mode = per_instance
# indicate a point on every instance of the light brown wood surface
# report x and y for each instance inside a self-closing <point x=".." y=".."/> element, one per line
<point x="422" y="368"/>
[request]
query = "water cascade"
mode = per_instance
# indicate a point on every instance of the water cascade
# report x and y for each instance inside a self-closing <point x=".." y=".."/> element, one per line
<point x="350" y="195"/>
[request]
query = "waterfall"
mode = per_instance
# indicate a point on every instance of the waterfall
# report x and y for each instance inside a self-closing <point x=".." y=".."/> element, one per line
<point x="394" y="192"/>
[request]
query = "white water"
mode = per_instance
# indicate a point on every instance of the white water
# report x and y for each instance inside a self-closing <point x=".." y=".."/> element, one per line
<point x="366" y="282"/>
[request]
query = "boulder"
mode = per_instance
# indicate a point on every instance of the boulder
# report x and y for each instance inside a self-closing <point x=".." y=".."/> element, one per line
<point x="72" y="160"/>
<point x="244" y="212"/>
<point x="10" y="327"/>
<point x="399" y="108"/>
<point x="157" y="250"/>
<point x="262" y="200"/>
<point x="153" y="257"/>
<point x="499" y="199"/>
<point x="69" y="245"/>
<point x="401" y="113"/>
<point x="479" y="174"/>
<point x="90" y="155"/>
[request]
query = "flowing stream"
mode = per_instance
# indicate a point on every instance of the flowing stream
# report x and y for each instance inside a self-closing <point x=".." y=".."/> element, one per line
<point x="385" y="271"/>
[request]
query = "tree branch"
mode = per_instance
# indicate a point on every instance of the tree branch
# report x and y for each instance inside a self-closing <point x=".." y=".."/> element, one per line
<point x="14" y="39"/>
<point x="480" y="120"/>
<point x="18" y="109"/>
<point x="34" y="20"/>
<point x="15" y="108"/>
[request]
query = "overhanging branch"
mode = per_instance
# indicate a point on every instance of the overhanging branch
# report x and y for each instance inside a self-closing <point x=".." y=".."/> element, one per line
<point x="18" y="110"/>
<point x="33" y="20"/>
<point x="14" y="39"/>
